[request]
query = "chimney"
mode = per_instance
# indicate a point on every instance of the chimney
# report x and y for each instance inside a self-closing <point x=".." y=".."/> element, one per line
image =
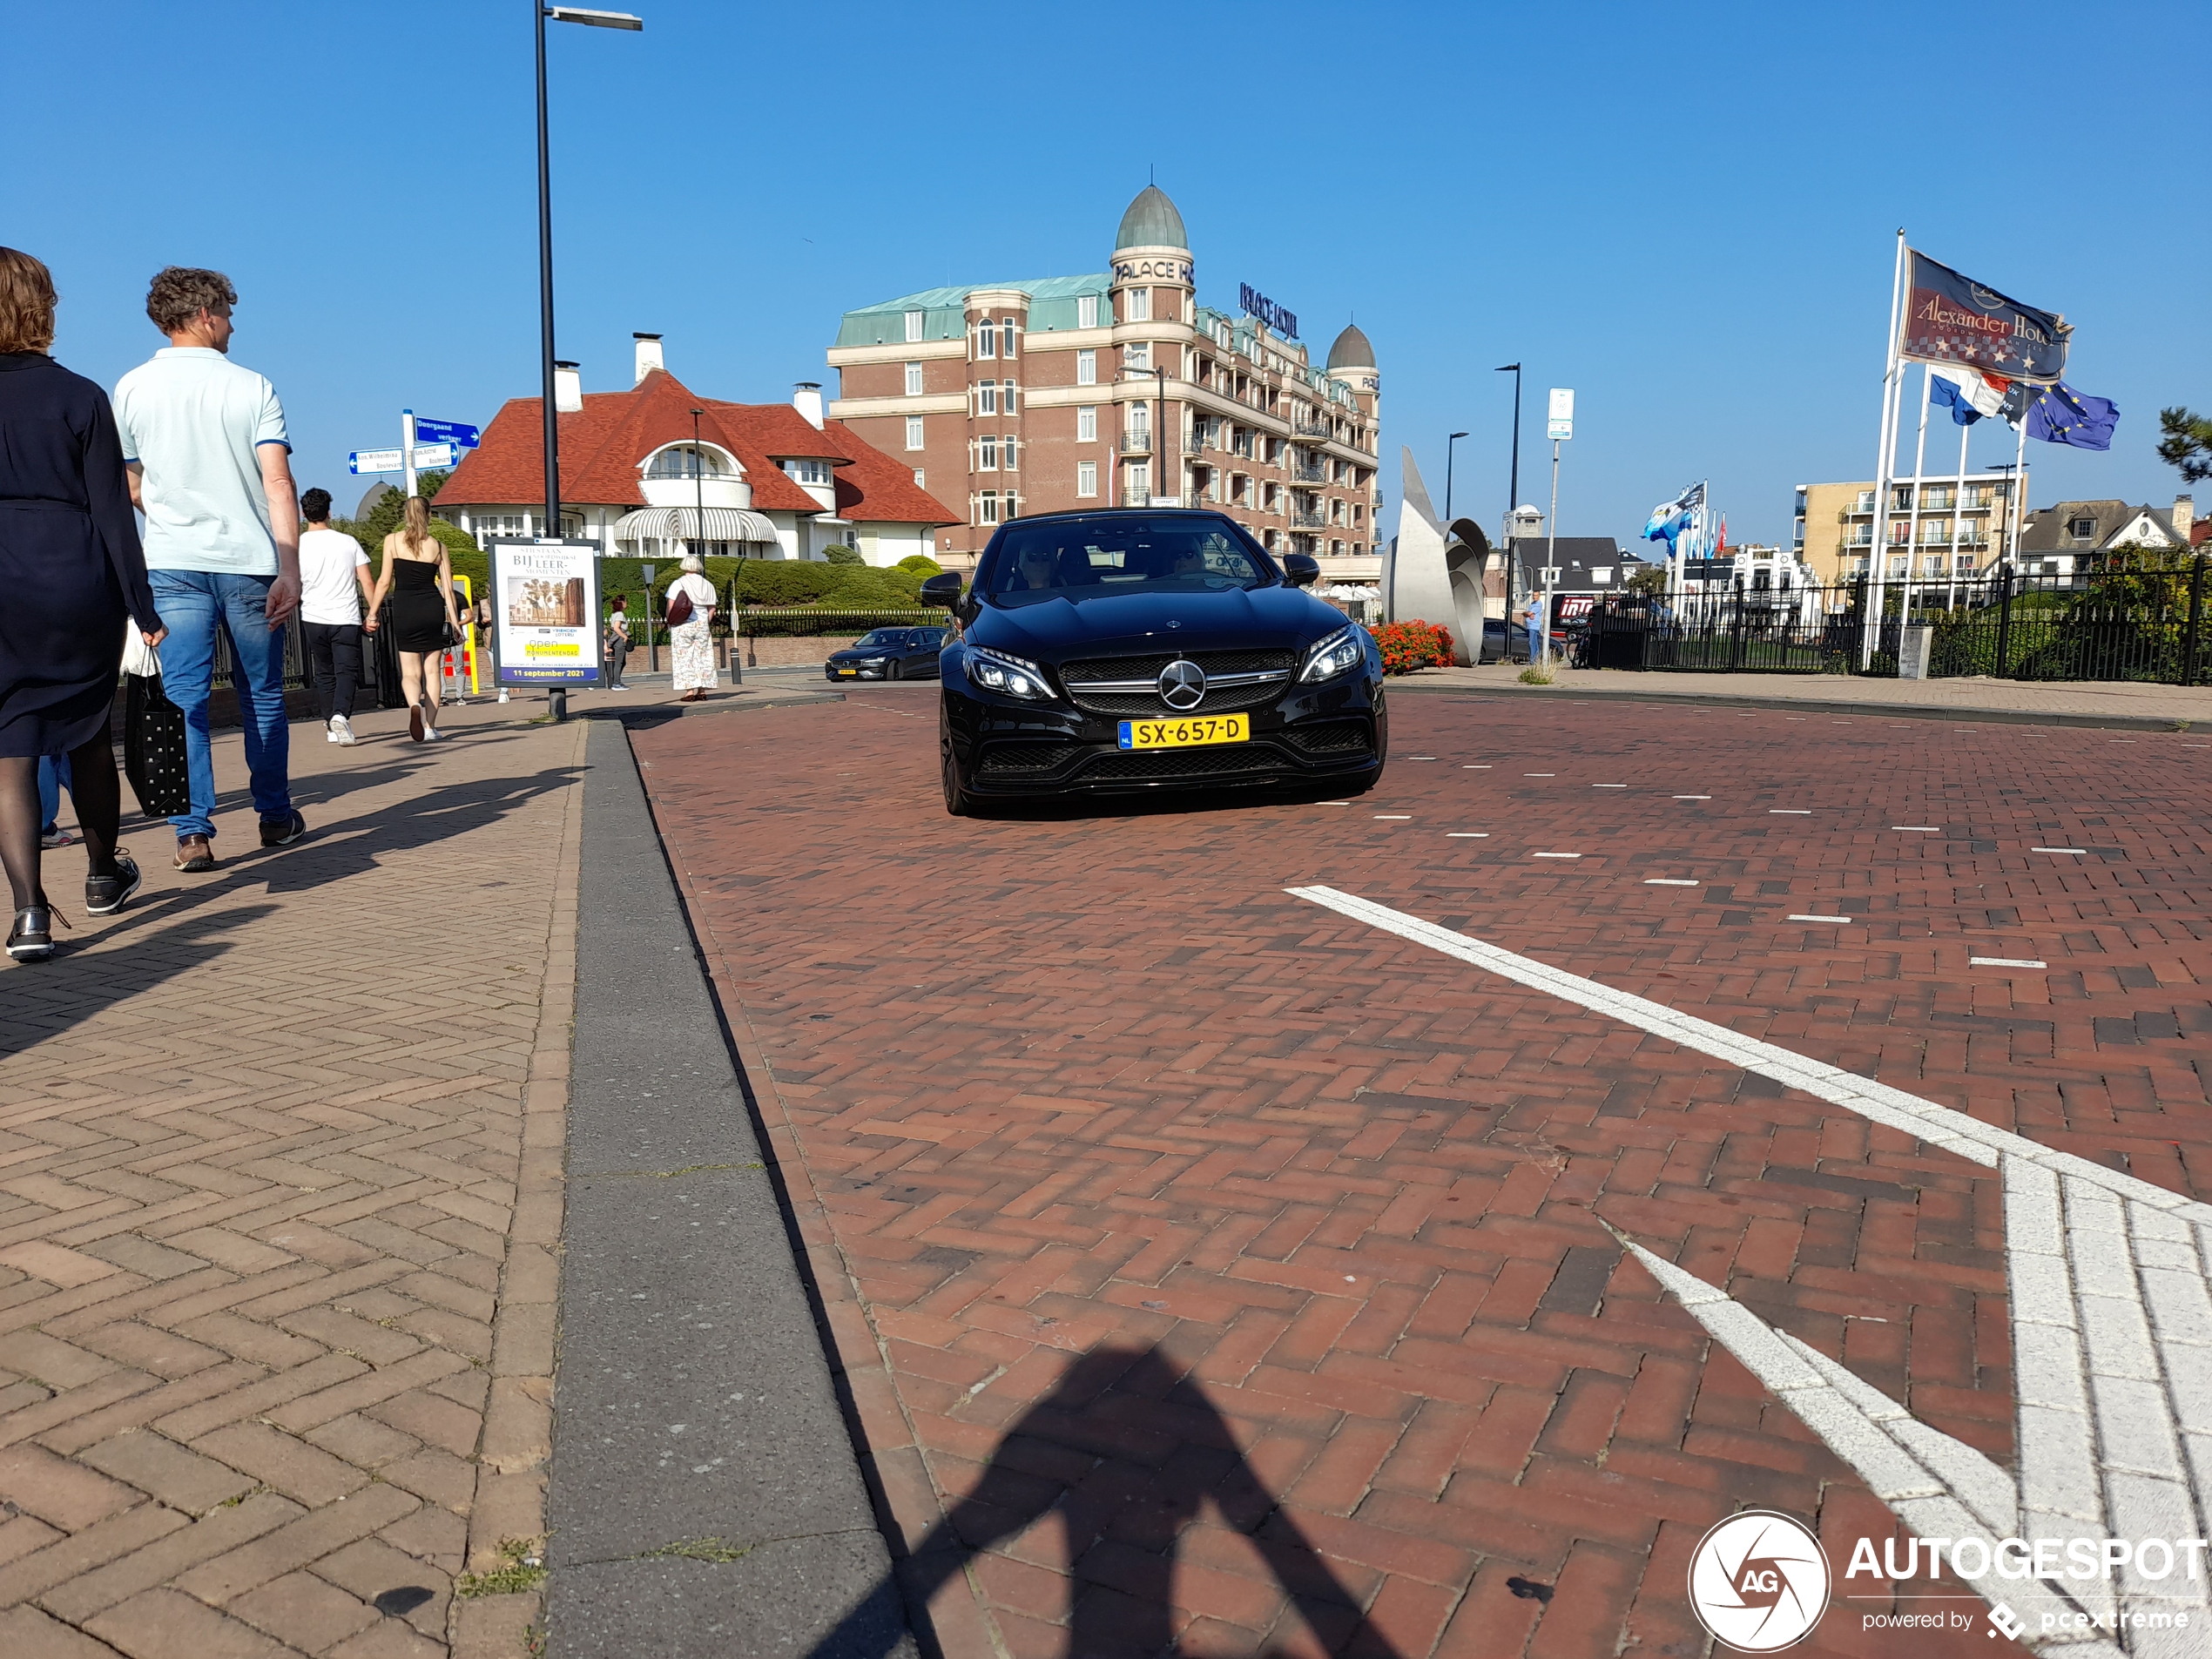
<point x="649" y="357"/>
<point x="806" y="398"/>
<point x="568" y="388"/>
<point x="2184" y="516"/>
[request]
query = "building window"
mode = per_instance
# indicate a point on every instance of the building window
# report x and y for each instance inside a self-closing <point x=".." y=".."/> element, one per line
<point x="1140" y="426"/>
<point x="1005" y="337"/>
<point x="1137" y="354"/>
<point x="987" y="455"/>
<point x="1086" y="477"/>
<point x="1086" y="423"/>
<point x="1140" y="485"/>
<point x="913" y="432"/>
<point x="913" y="324"/>
<point x="986" y="341"/>
<point x="1010" y="446"/>
<point x="1086" y="368"/>
<point x="987" y="397"/>
<point x="988" y="507"/>
<point x="1087" y="314"/>
<point x="913" y="380"/>
<point x="2081" y="529"/>
<point x="918" y="483"/>
<point x="1140" y="304"/>
<point x="1005" y="393"/>
<point x="1965" y="565"/>
<point x="807" y="472"/>
<point x="683" y="461"/>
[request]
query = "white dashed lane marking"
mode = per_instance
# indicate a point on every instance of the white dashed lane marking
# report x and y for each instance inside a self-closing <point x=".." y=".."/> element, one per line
<point x="1400" y="817"/>
<point x="1693" y="798"/>
<point x="1789" y="811"/>
<point x="1666" y="881"/>
<point x="1919" y="829"/>
<point x="1468" y="835"/>
<point x="2004" y="962"/>
<point x="2110" y="1324"/>
<point x="1556" y="855"/>
<point x="1843" y="919"/>
<point x="2076" y="852"/>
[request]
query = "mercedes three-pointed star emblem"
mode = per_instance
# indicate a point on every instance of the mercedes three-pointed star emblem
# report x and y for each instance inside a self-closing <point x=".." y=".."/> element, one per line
<point x="1183" y="684"/>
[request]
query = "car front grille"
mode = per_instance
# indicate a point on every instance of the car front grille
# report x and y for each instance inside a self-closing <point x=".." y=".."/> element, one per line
<point x="1335" y="737"/>
<point x="1080" y="678"/>
<point x="1163" y="764"/>
<point x="1004" y="757"/>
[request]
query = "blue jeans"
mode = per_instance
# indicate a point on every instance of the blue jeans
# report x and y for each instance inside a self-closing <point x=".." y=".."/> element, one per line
<point x="1535" y="644"/>
<point x="194" y="604"/>
<point x="53" y="777"/>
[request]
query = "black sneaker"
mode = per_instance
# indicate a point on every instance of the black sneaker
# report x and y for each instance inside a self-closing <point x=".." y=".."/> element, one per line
<point x="32" y="940"/>
<point x="284" y="833"/>
<point x="105" y="895"/>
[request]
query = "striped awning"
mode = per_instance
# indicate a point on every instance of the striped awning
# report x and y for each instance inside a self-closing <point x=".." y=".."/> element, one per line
<point x="683" y="524"/>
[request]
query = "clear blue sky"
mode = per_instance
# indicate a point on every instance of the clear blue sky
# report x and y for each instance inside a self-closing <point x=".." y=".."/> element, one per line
<point x="1684" y="213"/>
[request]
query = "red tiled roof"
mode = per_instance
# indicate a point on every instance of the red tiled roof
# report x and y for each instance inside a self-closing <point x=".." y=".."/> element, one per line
<point x="603" y="443"/>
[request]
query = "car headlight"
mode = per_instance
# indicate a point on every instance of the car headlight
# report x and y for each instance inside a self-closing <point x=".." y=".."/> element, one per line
<point x="1009" y="675"/>
<point x="1341" y="653"/>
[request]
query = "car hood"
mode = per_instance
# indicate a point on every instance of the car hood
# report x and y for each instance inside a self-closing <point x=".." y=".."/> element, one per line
<point x="1056" y="629"/>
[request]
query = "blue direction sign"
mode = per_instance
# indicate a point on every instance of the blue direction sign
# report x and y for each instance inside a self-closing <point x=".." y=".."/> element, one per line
<point x="453" y="431"/>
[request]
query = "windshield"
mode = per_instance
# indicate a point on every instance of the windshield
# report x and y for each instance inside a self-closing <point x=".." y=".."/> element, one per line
<point x="1093" y="558"/>
<point x="881" y="639"/>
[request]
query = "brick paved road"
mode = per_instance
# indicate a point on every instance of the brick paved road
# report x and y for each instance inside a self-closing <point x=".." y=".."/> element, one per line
<point x="1157" y="1209"/>
<point x="279" y="1163"/>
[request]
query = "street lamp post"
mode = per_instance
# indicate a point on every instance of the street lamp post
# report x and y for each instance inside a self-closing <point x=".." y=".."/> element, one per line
<point x="1448" y="443"/>
<point x="1512" y="486"/>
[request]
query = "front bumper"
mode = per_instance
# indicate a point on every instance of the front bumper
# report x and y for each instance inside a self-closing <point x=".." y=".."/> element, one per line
<point x="854" y="671"/>
<point x="1337" y="731"/>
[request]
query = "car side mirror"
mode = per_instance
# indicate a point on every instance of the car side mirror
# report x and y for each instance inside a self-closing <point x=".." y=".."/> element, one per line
<point x="1299" y="570"/>
<point x="942" y="591"/>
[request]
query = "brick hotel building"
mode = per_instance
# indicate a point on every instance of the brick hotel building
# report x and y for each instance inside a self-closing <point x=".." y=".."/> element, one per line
<point x="1115" y="389"/>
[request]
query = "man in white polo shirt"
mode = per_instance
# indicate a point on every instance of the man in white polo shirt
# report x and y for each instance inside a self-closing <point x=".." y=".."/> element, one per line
<point x="210" y="467"/>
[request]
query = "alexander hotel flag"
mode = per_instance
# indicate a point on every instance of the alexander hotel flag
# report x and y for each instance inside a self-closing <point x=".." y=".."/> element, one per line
<point x="1951" y="318"/>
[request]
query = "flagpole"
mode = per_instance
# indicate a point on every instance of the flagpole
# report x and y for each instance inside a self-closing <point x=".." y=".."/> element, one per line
<point x="1912" y="524"/>
<point x="2018" y="504"/>
<point x="1892" y="385"/>
<point x="1958" y="523"/>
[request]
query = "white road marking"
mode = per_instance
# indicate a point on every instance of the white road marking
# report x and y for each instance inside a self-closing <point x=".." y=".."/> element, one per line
<point x="1539" y="774"/>
<point x="2110" y="1324"/>
<point x="1842" y="919"/>
<point x="1693" y="798"/>
<point x="2119" y="739"/>
<point x="1417" y="756"/>
<point x="1468" y="835"/>
<point x="1555" y="855"/>
<point x="1608" y="785"/>
<point x="1666" y="881"/>
<point x="2004" y="962"/>
<point x="1471" y="767"/>
<point x="1334" y="803"/>
<point x="1399" y="816"/>
<point x="1919" y="829"/>
<point x="2078" y="852"/>
<point x="1789" y="811"/>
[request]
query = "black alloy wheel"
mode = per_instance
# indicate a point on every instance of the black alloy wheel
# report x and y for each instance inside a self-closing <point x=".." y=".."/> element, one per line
<point x="960" y="801"/>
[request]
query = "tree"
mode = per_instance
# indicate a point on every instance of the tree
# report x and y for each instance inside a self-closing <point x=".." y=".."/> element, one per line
<point x="1650" y="579"/>
<point x="2188" y="443"/>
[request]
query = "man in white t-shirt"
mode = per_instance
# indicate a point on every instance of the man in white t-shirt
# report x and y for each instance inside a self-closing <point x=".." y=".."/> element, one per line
<point x="210" y="467"/>
<point x="333" y="585"/>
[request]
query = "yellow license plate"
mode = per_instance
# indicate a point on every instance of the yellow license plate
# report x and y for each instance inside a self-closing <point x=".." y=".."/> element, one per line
<point x="847" y="673"/>
<point x="1192" y="732"/>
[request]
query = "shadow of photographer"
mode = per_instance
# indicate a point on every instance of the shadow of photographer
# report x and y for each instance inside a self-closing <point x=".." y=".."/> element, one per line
<point x="1126" y="1452"/>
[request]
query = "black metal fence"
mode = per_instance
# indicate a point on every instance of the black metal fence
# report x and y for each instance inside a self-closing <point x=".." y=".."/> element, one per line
<point x="2118" y="617"/>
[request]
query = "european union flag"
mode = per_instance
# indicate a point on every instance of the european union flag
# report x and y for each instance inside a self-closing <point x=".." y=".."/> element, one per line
<point x="2064" y="415"/>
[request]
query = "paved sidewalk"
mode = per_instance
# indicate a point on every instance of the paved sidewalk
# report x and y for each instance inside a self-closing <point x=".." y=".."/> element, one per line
<point x="280" y="1158"/>
<point x="2118" y="703"/>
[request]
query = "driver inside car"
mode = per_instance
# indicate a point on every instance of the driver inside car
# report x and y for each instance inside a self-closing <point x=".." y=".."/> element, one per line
<point x="1037" y="571"/>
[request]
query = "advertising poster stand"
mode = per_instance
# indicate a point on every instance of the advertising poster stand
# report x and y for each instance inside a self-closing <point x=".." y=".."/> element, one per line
<point x="545" y="594"/>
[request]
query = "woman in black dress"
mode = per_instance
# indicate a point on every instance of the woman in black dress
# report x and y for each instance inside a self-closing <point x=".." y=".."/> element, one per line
<point x="71" y="570"/>
<point x="418" y="578"/>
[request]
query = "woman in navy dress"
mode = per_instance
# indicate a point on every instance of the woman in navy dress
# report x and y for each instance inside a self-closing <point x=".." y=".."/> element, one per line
<point x="71" y="570"/>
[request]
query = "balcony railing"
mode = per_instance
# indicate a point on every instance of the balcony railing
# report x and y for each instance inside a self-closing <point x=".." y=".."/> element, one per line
<point x="1136" y="444"/>
<point x="1309" y="428"/>
<point x="1308" y="521"/>
<point x="1313" y="475"/>
<point x="1194" y="445"/>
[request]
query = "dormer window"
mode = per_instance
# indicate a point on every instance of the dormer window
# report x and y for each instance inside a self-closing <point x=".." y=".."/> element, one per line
<point x="688" y="461"/>
<point x="2082" y="530"/>
<point x="806" y="471"/>
<point x="1086" y="311"/>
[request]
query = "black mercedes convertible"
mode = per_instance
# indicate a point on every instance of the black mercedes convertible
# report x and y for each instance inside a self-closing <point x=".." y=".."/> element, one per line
<point x="1146" y="649"/>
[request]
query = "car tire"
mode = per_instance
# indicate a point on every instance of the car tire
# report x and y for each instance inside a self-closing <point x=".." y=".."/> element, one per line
<point x="891" y="669"/>
<point x="959" y="800"/>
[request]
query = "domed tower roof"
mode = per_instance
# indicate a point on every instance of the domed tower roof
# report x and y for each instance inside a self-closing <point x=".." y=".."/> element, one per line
<point x="1352" y="350"/>
<point x="1152" y="221"/>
